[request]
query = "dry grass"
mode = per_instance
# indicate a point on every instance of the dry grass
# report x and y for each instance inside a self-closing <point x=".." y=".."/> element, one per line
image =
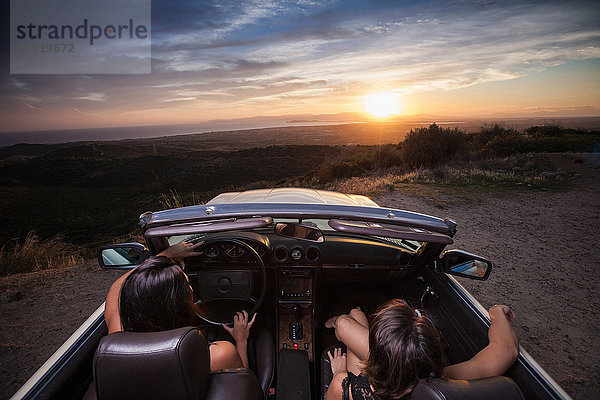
<point x="175" y="200"/>
<point x="131" y="237"/>
<point x="448" y="176"/>
<point x="34" y="254"/>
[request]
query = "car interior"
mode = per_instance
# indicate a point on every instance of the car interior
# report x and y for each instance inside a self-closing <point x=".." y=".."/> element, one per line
<point x="295" y="275"/>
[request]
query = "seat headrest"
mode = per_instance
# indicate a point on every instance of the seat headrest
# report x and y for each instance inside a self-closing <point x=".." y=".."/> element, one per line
<point x="496" y="387"/>
<point x="152" y="365"/>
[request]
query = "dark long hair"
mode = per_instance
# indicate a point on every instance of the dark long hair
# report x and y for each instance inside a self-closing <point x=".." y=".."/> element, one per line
<point x="403" y="348"/>
<point x="156" y="296"/>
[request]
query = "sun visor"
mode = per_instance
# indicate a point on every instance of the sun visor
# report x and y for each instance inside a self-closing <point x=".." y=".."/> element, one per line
<point x="388" y="230"/>
<point x="209" y="226"/>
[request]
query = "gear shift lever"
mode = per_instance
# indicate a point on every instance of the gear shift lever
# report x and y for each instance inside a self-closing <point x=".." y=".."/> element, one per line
<point x="295" y="328"/>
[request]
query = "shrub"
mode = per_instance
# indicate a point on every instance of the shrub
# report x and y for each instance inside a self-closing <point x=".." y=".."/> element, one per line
<point x="388" y="156"/>
<point x="547" y="130"/>
<point x="362" y="160"/>
<point x="487" y="133"/>
<point x="345" y="169"/>
<point x="502" y="146"/>
<point x="432" y="146"/>
<point x="517" y="143"/>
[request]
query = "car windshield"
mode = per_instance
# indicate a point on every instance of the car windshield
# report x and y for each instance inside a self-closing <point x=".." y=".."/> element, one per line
<point x="320" y="223"/>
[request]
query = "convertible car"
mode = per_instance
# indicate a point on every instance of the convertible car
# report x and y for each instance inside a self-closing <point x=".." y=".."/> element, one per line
<point x="296" y="257"/>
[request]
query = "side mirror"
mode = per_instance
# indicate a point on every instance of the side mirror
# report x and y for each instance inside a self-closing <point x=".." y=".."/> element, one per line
<point x="298" y="231"/>
<point x="122" y="256"/>
<point x="461" y="263"/>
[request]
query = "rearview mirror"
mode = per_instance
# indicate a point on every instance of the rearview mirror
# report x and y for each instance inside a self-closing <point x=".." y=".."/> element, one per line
<point x="122" y="256"/>
<point x="299" y="231"/>
<point x="461" y="263"/>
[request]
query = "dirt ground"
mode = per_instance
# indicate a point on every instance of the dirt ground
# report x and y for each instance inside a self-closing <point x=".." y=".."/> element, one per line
<point x="544" y="245"/>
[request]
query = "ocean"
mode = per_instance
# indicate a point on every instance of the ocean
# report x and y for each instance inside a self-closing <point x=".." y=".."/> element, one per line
<point x="139" y="132"/>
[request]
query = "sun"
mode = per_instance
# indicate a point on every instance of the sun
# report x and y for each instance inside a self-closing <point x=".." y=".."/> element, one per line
<point x="382" y="104"/>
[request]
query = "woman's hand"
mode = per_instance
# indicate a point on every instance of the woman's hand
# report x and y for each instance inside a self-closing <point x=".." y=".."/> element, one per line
<point x="338" y="361"/>
<point x="506" y="311"/>
<point x="241" y="327"/>
<point x="240" y="333"/>
<point x="181" y="250"/>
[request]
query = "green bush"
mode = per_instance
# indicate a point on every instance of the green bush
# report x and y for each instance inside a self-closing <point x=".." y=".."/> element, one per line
<point x="517" y="143"/>
<point x="547" y="130"/>
<point x="487" y="133"/>
<point x="361" y="160"/>
<point x="345" y="169"/>
<point x="432" y="146"/>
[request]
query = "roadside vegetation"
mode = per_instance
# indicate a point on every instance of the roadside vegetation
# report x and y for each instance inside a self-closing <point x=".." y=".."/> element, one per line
<point x="493" y="157"/>
<point x="440" y="150"/>
<point x="33" y="254"/>
<point x="58" y="203"/>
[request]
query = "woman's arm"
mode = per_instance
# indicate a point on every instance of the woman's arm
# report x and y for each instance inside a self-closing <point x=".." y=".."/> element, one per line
<point x="339" y="369"/>
<point x="111" y="307"/>
<point x="498" y="355"/>
<point x="240" y="333"/>
<point x="177" y="252"/>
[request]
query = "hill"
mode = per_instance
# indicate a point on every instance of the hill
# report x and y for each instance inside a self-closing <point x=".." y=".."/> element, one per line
<point x="89" y="193"/>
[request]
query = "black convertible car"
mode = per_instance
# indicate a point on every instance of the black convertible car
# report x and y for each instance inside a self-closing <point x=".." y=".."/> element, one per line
<point x="297" y="257"/>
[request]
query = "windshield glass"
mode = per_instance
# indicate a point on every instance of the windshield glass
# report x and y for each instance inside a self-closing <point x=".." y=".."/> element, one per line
<point x="322" y="224"/>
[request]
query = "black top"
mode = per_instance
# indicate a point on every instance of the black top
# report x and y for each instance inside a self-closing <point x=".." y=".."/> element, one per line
<point x="359" y="387"/>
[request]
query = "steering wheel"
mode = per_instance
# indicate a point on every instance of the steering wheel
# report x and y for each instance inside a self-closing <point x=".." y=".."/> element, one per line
<point x="223" y="292"/>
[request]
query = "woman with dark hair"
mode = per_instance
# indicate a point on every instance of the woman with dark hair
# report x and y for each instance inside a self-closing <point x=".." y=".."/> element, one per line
<point x="387" y="359"/>
<point x="156" y="296"/>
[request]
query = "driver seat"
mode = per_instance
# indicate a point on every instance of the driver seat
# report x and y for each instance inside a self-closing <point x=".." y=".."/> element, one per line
<point x="169" y="364"/>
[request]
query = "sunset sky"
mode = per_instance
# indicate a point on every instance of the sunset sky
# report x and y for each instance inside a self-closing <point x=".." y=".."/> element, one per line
<point x="254" y="58"/>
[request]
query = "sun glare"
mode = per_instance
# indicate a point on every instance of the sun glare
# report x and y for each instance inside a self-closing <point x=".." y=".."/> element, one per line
<point x="382" y="104"/>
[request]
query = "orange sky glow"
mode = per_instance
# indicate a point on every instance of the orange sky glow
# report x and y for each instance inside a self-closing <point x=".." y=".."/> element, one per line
<point x="428" y="58"/>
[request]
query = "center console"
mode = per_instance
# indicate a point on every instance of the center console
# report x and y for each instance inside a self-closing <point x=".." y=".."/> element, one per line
<point x="295" y="310"/>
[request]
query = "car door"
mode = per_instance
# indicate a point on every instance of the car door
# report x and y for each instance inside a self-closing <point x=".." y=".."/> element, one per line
<point x="464" y="324"/>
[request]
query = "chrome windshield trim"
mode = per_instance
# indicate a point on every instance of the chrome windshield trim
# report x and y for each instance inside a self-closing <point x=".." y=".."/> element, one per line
<point x="57" y="356"/>
<point x="209" y="226"/>
<point x="301" y="211"/>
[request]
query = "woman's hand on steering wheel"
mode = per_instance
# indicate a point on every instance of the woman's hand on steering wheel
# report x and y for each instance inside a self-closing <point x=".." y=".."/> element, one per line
<point x="181" y="250"/>
<point x="241" y="326"/>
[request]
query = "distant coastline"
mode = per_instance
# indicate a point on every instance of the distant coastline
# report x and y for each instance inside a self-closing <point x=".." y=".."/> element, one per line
<point x="246" y="124"/>
<point x="140" y="132"/>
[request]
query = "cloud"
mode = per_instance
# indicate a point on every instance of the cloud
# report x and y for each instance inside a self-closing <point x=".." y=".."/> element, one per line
<point x="237" y="55"/>
<point x="179" y="99"/>
<point x="92" y="97"/>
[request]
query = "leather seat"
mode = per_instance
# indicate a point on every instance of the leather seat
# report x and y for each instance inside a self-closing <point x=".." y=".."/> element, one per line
<point x="261" y="351"/>
<point x="496" y="387"/>
<point x="261" y="356"/>
<point x="170" y="364"/>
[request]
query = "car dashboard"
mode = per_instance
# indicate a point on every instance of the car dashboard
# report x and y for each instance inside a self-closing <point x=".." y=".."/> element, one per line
<point x="296" y="272"/>
<point x="276" y="252"/>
